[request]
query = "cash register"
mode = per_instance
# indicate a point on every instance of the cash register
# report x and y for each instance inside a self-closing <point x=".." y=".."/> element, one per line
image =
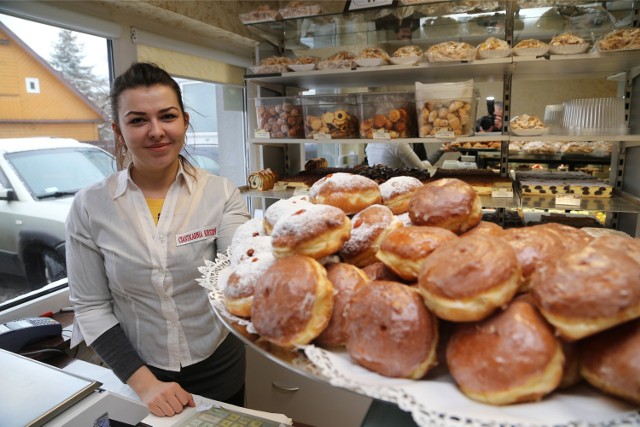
<point x="35" y="394"/>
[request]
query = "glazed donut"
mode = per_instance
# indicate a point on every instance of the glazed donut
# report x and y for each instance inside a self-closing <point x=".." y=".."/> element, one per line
<point x="535" y="246"/>
<point x="397" y="191"/>
<point x="314" y="230"/>
<point x="571" y="371"/>
<point x="292" y="302"/>
<point x="404" y="250"/>
<point x="390" y="331"/>
<point x="467" y="278"/>
<point x="610" y="361"/>
<point x="368" y="228"/>
<point x="283" y="208"/>
<point x="448" y="203"/>
<point x="349" y="192"/>
<point x="627" y="245"/>
<point x="241" y="284"/>
<point x="249" y="248"/>
<point x="588" y="290"/>
<point x="379" y="271"/>
<point x="346" y="279"/>
<point x="512" y="356"/>
<point x="572" y="237"/>
<point x="485" y="227"/>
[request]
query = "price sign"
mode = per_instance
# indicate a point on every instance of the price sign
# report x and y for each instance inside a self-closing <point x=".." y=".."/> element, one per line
<point x="381" y="134"/>
<point x="568" y="200"/>
<point x="261" y="133"/>
<point x="502" y="192"/>
<point x="321" y="135"/>
<point x="445" y="133"/>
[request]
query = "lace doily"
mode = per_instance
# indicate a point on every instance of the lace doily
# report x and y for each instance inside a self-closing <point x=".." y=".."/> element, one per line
<point x="437" y="402"/>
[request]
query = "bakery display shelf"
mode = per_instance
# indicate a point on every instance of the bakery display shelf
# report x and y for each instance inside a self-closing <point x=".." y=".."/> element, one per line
<point x="388" y="75"/>
<point x="461" y="140"/>
<point x="269" y="194"/>
<point x="616" y="203"/>
<point x="577" y="138"/>
<point x="435" y="400"/>
<point x="553" y="158"/>
<point x="591" y="65"/>
<point x="487" y="201"/>
<point x="562" y="67"/>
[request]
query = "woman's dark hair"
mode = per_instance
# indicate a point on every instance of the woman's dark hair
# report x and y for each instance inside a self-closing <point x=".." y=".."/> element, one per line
<point x="140" y="74"/>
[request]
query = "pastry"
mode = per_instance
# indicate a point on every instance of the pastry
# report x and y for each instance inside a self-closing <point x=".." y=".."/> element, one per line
<point x="468" y="278"/>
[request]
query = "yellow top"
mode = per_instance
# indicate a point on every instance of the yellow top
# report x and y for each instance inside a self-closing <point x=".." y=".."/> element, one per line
<point x="155" y="206"/>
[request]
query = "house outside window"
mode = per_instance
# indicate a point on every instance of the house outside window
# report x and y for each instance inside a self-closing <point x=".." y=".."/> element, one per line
<point x="33" y="85"/>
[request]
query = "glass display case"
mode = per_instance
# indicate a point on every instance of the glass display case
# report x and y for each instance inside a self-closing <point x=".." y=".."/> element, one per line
<point x="520" y="83"/>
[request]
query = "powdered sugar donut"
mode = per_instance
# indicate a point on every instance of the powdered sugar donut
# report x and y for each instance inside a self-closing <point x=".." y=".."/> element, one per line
<point x="397" y="191"/>
<point x="248" y="230"/>
<point x="349" y="192"/>
<point x="282" y="208"/>
<point x="368" y="228"/>
<point x="249" y="248"/>
<point x="314" y="230"/>
<point x="293" y="301"/>
<point x="390" y="331"/>
<point x="242" y="281"/>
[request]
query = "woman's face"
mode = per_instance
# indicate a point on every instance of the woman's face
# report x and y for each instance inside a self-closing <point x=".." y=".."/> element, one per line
<point x="152" y="126"/>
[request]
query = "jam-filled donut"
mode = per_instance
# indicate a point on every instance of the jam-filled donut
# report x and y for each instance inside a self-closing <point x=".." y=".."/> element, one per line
<point x="397" y="191"/>
<point x="283" y="208"/>
<point x="368" y="229"/>
<point x="390" y="331"/>
<point x="248" y="230"/>
<point x="467" y="278"/>
<point x="292" y="301"/>
<point x="346" y="279"/>
<point x="610" y="361"/>
<point x="405" y="249"/>
<point x="512" y="356"/>
<point x="241" y="284"/>
<point x="448" y="203"/>
<point x="248" y="248"/>
<point x="588" y="290"/>
<point x="349" y="192"/>
<point x="314" y="230"/>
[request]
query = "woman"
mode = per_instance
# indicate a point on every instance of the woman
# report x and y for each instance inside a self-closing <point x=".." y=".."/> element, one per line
<point x="394" y="155"/>
<point x="134" y="245"/>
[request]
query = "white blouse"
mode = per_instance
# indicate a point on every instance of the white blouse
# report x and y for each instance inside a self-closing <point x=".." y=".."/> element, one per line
<point x="122" y="268"/>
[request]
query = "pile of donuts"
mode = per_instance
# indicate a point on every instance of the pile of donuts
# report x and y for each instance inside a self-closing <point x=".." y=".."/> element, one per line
<point x="406" y="275"/>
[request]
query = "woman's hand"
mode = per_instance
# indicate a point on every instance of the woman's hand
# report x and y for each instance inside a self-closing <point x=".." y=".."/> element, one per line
<point x="164" y="399"/>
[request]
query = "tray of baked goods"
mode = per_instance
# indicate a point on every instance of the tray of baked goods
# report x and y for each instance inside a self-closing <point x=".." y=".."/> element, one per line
<point x="482" y="180"/>
<point x="399" y="291"/>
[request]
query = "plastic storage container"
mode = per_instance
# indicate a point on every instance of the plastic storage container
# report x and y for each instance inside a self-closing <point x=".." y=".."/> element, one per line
<point x="330" y="116"/>
<point x="387" y="115"/>
<point x="446" y="110"/>
<point x="280" y="117"/>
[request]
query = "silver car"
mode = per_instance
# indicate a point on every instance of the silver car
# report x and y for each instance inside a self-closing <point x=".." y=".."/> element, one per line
<point x="38" y="179"/>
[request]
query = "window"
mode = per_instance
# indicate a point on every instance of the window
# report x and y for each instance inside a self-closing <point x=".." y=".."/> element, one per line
<point x="33" y="85"/>
<point x="68" y="107"/>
